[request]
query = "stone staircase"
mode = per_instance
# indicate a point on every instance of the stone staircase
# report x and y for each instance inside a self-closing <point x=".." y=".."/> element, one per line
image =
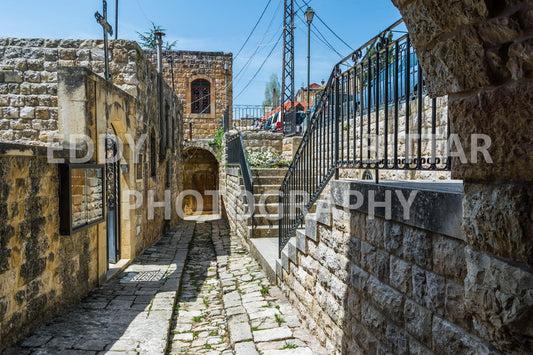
<point x="264" y="235"/>
<point x="303" y="236"/>
<point x="266" y="187"/>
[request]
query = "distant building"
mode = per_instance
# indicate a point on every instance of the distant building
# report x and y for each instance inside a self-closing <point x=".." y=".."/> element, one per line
<point x="314" y="91"/>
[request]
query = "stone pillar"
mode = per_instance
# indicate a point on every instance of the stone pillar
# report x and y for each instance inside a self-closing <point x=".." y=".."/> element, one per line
<point x="480" y="52"/>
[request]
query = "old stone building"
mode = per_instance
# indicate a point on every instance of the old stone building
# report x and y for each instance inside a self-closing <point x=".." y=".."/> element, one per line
<point x="204" y="83"/>
<point x="58" y="233"/>
<point x="314" y="92"/>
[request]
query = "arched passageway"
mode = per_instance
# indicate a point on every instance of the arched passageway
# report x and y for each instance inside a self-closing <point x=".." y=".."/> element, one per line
<point x="200" y="174"/>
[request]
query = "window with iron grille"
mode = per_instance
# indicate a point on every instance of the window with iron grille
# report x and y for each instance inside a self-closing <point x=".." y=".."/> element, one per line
<point x="200" y="96"/>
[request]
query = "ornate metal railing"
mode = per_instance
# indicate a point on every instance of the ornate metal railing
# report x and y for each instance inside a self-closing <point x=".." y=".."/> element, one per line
<point x="237" y="155"/>
<point x="373" y="114"/>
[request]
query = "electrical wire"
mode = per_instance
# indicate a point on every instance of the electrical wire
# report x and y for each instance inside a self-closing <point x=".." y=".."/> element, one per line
<point x="253" y="29"/>
<point x="260" y="68"/>
<point x="329" y="28"/>
<point x="323" y="39"/>
<point x="260" y="42"/>
<point x="236" y="77"/>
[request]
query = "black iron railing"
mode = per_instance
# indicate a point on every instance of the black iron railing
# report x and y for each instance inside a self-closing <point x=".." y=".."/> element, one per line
<point x="237" y="155"/>
<point x="247" y="117"/>
<point x="373" y="114"/>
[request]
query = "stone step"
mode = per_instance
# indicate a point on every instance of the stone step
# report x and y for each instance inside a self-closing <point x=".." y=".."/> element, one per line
<point x="265" y="251"/>
<point x="268" y="198"/>
<point x="257" y="172"/>
<point x="261" y="189"/>
<point x="301" y="241"/>
<point x="264" y="231"/>
<point x="269" y="208"/>
<point x="268" y="180"/>
<point x="272" y="208"/>
<point x="271" y="220"/>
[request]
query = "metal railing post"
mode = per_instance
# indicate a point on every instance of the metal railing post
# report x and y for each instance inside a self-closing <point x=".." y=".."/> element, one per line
<point x="336" y="126"/>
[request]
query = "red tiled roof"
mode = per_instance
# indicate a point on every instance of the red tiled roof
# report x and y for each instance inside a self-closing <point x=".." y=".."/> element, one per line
<point x="287" y="107"/>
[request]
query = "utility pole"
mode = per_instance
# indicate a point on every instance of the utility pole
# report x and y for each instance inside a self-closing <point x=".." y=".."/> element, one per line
<point x="287" y="77"/>
<point x="102" y="20"/>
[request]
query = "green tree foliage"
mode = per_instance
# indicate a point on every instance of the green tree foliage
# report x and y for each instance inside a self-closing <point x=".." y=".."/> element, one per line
<point x="147" y="39"/>
<point x="272" y="92"/>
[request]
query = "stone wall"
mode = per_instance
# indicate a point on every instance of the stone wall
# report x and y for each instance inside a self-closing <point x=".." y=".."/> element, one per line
<point x="181" y="68"/>
<point x="108" y="109"/>
<point x="41" y="272"/>
<point x="290" y="147"/>
<point x="480" y="53"/>
<point x="235" y="204"/>
<point x="384" y="285"/>
<point x="29" y="81"/>
<point x="263" y="141"/>
<point x="80" y="102"/>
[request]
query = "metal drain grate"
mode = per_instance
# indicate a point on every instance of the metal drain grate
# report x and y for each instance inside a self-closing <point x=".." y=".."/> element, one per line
<point x="143" y="276"/>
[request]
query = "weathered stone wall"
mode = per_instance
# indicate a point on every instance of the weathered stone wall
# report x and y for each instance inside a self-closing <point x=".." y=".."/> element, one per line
<point x="41" y="272"/>
<point x="158" y="168"/>
<point x="480" y="53"/>
<point x="181" y="68"/>
<point x="28" y="80"/>
<point x="236" y="206"/>
<point x="263" y="141"/>
<point x="290" y="147"/>
<point x="374" y="285"/>
<point x="83" y="103"/>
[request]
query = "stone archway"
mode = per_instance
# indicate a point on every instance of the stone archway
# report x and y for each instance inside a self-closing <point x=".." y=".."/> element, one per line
<point x="200" y="174"/>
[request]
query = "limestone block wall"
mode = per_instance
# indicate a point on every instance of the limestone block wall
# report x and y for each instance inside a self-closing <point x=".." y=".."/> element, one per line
<point x="263" y="141"/>
<point x="107" y="109"/>
<point x="82" y="103"/>
<point x="371" y="285"/>
<point x="41" y="272"/>
<point x="235" y="204"/>
<point x="290" y="147"/>
<point x="28" y="81"/>
<point x="377" y="139"/>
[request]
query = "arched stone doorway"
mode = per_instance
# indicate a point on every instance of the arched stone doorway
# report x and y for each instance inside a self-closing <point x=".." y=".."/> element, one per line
<point x="200" y="174"/>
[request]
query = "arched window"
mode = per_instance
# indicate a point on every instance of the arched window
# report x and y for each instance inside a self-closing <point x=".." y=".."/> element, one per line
<point x="200" y="96"/>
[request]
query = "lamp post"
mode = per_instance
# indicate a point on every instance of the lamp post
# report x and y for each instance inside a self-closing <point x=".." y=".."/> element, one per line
<point x="309" y="14"/>
<point x="159" y="42"/>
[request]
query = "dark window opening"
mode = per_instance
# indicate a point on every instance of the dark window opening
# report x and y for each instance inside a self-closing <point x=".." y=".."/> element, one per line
<point x="200" y="96"/>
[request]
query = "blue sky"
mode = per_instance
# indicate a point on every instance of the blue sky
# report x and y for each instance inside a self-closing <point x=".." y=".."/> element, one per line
<point x="214" y="25"/>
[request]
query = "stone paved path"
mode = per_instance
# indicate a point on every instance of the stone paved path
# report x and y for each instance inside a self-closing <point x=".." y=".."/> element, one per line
<point x="227" y="303"/>
<point x="130" y="313"/>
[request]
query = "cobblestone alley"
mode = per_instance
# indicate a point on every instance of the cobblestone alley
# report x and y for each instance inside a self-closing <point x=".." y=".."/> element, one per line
<point x="225" y="304"/>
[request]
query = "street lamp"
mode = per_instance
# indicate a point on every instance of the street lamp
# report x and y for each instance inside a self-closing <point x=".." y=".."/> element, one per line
<point x="159" y="42"/>
<point x="309" y="14"/>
